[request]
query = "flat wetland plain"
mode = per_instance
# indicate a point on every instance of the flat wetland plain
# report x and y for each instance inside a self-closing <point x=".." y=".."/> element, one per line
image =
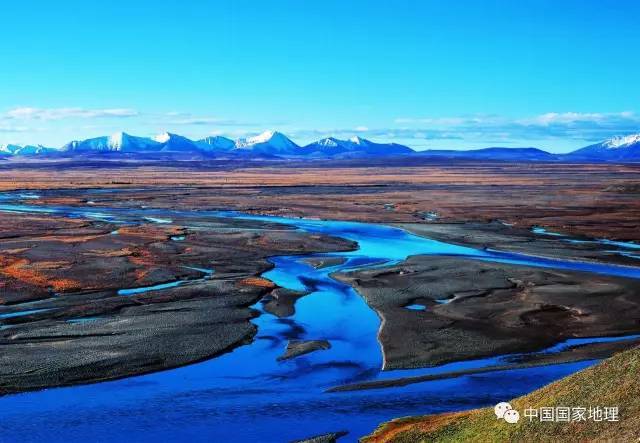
<point x="57" y="271"/>
<point x="596" y="200"/>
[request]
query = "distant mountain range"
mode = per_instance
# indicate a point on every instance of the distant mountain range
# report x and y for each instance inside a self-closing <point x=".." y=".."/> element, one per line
<point x="273" y="144"/>
<point x="9" y="149"/>
<point x="520" y="154"/>
<point x="356" y="146"/>
<point x="615" y="149"/>
<point x="268" y="144"/>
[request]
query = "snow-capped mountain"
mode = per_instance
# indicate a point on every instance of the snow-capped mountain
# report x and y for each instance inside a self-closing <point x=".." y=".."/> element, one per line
<point x="329" y="143"/>
<point x="353" y="147"/>
<point x="175" y="143"/>
<point x="327" y="147"/>
<point x="372" y="148"/>
<point x="622" y="141"/>
<point x="120" y="141"/>
<point x="273" y="144"/>
<point x="269" y="142"/>
<point x="625" y="148"/>
<point x="9" y="149"/>
<point x="216" y="143"/>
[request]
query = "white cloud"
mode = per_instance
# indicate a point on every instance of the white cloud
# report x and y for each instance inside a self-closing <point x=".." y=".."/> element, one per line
<point x="568" y="118"/>
<point x="7" y="128"/>
<point x="206" y="121"/>
<point x="189" y="119"/>
<point x="440" y="121"/>
<point x="552" y="125"/>
<point x="29" y="113"/>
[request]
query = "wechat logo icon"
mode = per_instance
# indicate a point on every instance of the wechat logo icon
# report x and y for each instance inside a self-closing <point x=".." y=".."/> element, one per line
<point x="504" y="411"/>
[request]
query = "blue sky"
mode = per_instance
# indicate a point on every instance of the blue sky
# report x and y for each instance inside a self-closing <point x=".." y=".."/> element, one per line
<point x="430" y="74"/>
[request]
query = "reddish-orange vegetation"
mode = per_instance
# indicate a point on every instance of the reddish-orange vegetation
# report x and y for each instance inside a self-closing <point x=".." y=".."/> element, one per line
<point x="140" y="274"/>
<point x="66" y="255"/>
<point x="70" y="239"/>
<point x="150" y="232"/>
<point x="497" y="173"/>
<point x="257" y="281"/>
<point x="426" y="425"/>
<point x="23" y="270"/>
<point x="142" y="257"/>
<point x="110" y="252"/>
<point x="599" y="200"/>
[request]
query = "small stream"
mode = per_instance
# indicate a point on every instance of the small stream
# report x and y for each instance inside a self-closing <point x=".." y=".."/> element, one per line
<point x="247" y="394"/>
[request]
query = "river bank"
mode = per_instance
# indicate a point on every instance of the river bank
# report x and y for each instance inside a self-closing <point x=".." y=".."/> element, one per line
<point x="612" y="382"/>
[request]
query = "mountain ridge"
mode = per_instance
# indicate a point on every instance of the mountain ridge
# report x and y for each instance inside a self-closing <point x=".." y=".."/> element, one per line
<point x="613" y="149"/>
<point x="275" y="144"/>
<point x="331" y="146"/>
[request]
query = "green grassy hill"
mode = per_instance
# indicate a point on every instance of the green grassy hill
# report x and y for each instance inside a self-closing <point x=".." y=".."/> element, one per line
<point x="613" y="382"/>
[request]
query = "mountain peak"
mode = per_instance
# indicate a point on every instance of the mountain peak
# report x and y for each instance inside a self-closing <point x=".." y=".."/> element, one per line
<point x="164" y="137"/>
<point x="216" y="142"/>
<point x="265" y="137"/>
<point x="9" y="148"/>
<point x="621" y="141"/>
<point x="329" y="142"/>
<point x="357" y="140"/>
<point x="354" y="147"/>
<point x="621" y="148"/>
<point x="273" y="142"/>
<point x="13" y="149"/>
<point x="117" y="139"/>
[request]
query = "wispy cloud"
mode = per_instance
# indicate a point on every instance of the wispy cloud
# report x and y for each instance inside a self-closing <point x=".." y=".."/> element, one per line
<point x="7" y="128"/>
<point x="29" y="113"/>
<point x="202" y="121"/>
<point x="552" y="125"/>
<point x="378" y="133"/>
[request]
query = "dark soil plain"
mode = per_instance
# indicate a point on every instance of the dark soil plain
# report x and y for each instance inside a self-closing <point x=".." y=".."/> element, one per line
<point x="480" y="309"/>
<point x="67" y="270"/>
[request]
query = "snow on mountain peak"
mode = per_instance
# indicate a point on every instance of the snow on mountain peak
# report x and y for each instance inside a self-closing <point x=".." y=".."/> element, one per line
<point x="12" y="149"/>
<point x="120" y="141"/>
<point x="264" y="137"/>
<point x="162" y="138"/>
<point x="117" y="140"/>
<point x="622" y="141"/>
<point x="328" y="142"/>
<point x="8" y="148"/>
<point x="247" y="142"/>
<point x="357" y="140"/>
<point x="274" y="139"/>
